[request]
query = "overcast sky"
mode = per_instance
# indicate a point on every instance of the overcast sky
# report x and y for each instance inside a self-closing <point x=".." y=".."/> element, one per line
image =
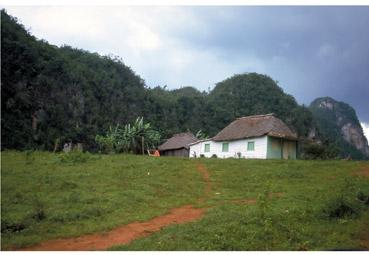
<point x="311" y="51"/>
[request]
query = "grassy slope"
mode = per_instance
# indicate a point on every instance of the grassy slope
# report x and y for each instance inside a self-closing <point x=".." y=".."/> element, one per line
<point x="296" y="221"/>
<point x="53" y="199"/>
<point x="107" y="191"/>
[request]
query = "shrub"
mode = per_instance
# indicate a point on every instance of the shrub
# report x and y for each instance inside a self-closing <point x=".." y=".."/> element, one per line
<point x="340" y="208"/>
<point x="214" y="156"/>
<point x="74" y="157"/>
<point x="7" y="226"/>
<point x="363" y="198"/>
<point x="29" y="157"/>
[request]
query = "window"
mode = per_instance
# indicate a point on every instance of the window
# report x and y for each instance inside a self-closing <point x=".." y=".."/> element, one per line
<point x="207" y="147"/>
<point x="251" y="146"/>
<point x="225" y="147"/>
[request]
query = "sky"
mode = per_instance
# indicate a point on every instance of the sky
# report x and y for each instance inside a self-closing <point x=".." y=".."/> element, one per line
<point x="311" y="51"/>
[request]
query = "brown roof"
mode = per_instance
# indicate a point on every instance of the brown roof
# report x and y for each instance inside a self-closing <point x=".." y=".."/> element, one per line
<point x="181" y="140"/>
<point x="254" y="126"/>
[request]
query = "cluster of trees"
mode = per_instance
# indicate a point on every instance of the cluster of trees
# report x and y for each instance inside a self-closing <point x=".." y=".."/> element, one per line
<point x="52" y="95"/>
<point x="134" y="138"/>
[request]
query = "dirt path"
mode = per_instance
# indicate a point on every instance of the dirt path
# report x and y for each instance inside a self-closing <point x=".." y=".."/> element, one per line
<point x="127" y="233"/>
<point x="206" y="177"/>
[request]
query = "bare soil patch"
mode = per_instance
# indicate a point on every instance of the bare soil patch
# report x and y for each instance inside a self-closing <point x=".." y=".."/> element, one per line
<point x="364" y="240"/>
<point x="245" y="201"/>
<point x="275" y="194"/>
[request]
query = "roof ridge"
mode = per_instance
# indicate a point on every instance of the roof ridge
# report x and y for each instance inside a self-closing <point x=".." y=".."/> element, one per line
<point x="257" y="116"/>
<point x="183" y="133"/>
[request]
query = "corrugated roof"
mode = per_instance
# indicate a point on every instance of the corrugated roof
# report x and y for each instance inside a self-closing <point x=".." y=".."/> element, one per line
<point x="254" y="126"/>
<point x="181" y="140"/>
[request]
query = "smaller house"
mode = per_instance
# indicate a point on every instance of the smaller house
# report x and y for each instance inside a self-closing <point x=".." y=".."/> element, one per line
<point x="257" y="136"/>
<point x="178" y="145"/>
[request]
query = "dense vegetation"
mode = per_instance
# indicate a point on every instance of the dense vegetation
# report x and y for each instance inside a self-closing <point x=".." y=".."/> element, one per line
<point x="289" y="205"/>
<point x="53" y="95"/>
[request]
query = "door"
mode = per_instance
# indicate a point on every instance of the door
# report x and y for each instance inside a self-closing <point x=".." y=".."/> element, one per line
<point x="285" y="150"/>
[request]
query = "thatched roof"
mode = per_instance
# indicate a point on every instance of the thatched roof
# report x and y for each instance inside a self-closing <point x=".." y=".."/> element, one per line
<point x="181" y="140"/>
<point x="254" y="126"/>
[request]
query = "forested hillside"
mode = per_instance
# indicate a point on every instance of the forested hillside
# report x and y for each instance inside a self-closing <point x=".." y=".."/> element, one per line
<point x="52" y="95"/>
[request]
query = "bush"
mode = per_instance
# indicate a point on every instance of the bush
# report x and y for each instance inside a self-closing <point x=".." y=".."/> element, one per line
<point x="325" y="150"/>
<point x="7" y="226"/>
<point x="345" y="204"/>
<point x="74" y="157"/>
<point x="363" y="198"/>
<point x="214" y="156"/>
<point x="341" y="208"/>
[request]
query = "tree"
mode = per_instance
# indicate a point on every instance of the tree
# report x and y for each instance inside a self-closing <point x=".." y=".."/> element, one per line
<point x="129" y="138"/>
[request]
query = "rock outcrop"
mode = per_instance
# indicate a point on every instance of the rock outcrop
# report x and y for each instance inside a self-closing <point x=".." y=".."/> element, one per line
<point x="338" y="121"/>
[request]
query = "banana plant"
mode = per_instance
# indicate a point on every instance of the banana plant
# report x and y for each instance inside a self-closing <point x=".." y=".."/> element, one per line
<point x="129" y="138"/>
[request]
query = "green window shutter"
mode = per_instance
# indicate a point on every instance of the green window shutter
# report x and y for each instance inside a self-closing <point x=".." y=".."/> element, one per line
<point x="225" y="147"/>
<point x="251" y="146"/>
<point x="207" y="147"/>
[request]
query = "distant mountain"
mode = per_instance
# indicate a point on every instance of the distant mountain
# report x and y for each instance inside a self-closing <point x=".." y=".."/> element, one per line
<point x="337" y="121"/>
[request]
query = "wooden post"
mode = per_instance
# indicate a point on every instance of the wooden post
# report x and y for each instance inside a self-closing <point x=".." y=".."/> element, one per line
<point x="142" y="145"/>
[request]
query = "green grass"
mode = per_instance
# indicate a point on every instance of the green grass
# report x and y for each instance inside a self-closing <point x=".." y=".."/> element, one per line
<point x="299" y="220"/>
<point x="46" y="196"/>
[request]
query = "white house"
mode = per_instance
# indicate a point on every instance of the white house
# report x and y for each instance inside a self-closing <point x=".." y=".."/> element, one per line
<point x="257" y="136"/>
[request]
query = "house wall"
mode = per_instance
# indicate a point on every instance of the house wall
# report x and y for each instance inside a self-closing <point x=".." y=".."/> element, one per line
<point x="238" y="146"/>
<point x="280" y="148"/>
<point x="183" y="152"/>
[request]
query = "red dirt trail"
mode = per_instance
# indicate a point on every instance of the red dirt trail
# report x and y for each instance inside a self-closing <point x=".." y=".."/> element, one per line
<point x="206" y="177"/>
<point x="127" y="233"/>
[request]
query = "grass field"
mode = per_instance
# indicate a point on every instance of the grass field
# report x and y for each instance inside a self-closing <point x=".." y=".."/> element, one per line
<point x="252" y="204"/>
